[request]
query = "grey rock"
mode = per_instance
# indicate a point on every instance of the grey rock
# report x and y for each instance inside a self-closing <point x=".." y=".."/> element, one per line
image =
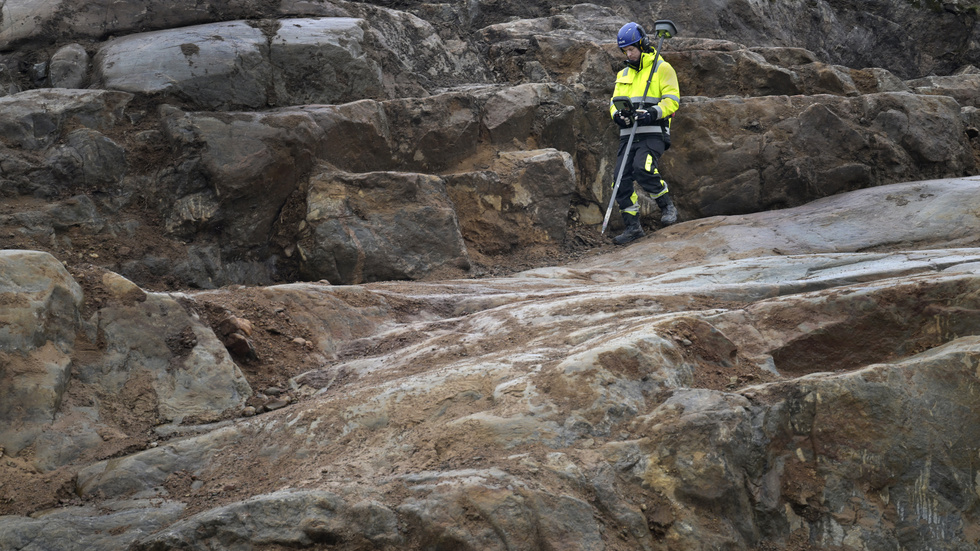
<point x="236" y="65"/>
<point x="44" y="302"/>
<point x="521" y="194"/>
<point x="35" y="119"/>
<point x="143" y="473"/>
<point x="821" y="78"/>
<point x="368" y="140"/>
<point x="961" y="87"/>
<point x="69" y="67"/>
<point x="217" y="65"/>
<point x="184" y="370"/>
<point x="609" y="397"/>
<point x="413" y="56"/>
<point x="318" y="61"/>
<point x="881" y="80"/>
<point x="85" y="528"/>
<point x="861" y="220"/>
<point x="730" y="170"/>
<point x="39" y="321"/>
<point x="785" y="57"/>
<point x="25" y="21"/>
<point x="245" y="154"/>
<point x="543" y="110"/>
<point x="76" y="212"/>
<point x="726" y="72"/>
<point x="567" y="47"/>
<point x="886" y="397"/>
<point x="568" y="390"/>
<point x="377" y="226"/>
<point x="450" y="118"/>
<point x="517" y="517"/>
<point x="286" y="518"/>
<point x="88" y="159"/>
<point x="190" y="370"/>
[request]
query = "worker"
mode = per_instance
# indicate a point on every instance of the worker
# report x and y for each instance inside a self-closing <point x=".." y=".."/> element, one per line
<point x="653" y="106"/>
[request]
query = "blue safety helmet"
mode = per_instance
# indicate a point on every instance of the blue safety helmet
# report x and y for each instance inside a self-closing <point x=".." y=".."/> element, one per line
<point x="633" y="34"/>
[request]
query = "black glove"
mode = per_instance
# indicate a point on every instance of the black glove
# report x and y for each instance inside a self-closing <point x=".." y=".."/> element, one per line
<point x="624" y="121"/>
<point x="644" y="118"/>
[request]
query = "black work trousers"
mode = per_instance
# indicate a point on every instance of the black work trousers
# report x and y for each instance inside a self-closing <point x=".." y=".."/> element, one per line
<point x="641" y="166"/>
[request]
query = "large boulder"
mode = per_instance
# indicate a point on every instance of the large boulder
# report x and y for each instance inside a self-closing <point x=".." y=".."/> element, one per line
<point x="240" y="180"/>
<point x="413" y="54"/>
<point x="27" y="21"/>
<point x="144" y="349"/>
<point x="88" y="159"/>
<point x="521" y="200"/>
<point x="322" y="61"/>
<point x="236" y="64"/>
<point x="37" y="334"/>
<point x="35" y="119"/>
<point x="794" y="149"/>
<point x="69" y="67"/>
<point x="378" y="226"/>
<point x="150" y="338"/>
<point x="58" y="141"/>
<point x="215" y="66"/>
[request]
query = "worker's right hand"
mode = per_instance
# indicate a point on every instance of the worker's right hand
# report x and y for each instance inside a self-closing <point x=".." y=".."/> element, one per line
<point x="622" y="120"/>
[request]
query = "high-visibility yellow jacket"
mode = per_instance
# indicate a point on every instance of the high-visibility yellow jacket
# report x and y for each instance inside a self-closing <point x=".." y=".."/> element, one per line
<point x="663" y="97"/>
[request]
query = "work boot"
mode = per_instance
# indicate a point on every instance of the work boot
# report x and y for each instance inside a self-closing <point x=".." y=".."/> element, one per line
<point x="668" y="213"/>
<point x="633" y="230"/>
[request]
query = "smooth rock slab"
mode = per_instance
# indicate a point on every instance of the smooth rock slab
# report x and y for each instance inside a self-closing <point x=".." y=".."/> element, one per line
<point x="240" y="65"/>
<point x="87" y="528"/>
<point x="218" y="65"/>
<point x="287" y="518"/>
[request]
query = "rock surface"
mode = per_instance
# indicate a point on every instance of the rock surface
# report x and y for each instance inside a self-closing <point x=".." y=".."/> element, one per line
<point x="204" y="134"/>
<point x="735" y="381"/>
<point x="309" y="274"/>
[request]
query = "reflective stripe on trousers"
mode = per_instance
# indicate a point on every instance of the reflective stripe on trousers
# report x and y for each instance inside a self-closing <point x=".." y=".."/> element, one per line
<point x="641" y="166"/>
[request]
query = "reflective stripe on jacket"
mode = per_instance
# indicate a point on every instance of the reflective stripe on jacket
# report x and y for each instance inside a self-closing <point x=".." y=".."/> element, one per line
<point x="663" y="98"/>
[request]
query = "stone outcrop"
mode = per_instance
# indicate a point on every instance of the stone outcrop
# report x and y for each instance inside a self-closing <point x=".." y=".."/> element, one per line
<point x="770" y="382"/>
<point x="39" y="321"/>
<point x="144" y="347"/>
<point x="792" y="365"/>
<point x="820" y="148"/>
<point x="236" y="65"/>
<point x="522" y="199"/>
<point x="252" y="107"/>
<point x="404" y="227"/>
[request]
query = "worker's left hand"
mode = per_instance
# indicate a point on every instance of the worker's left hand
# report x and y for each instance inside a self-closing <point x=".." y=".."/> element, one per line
<point x="624" y="121"/>
<point x="644" y="117"/>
